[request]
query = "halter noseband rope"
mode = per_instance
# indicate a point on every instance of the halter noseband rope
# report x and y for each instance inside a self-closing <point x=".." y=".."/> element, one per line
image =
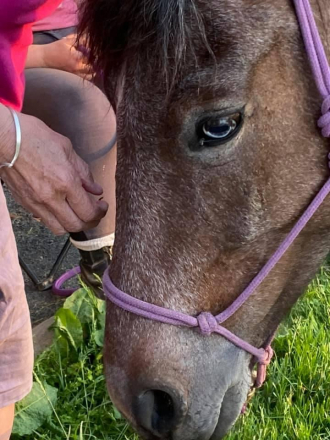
<point x="206" y="322"/>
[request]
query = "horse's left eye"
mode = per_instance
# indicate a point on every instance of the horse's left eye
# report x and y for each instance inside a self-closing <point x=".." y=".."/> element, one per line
<point x="217" y="130"/>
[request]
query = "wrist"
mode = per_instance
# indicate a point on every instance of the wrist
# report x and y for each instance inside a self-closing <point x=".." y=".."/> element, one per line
<point x="7" y="135"/>
<point x="47" y="56"/>
<point x="37" y="56"/>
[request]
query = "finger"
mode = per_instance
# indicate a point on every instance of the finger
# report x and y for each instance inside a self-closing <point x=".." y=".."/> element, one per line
<point x="83" y="49"/>
<point x="94" y="189"/>
<point x="85" y="206"/>
<point x="78" y="55"/>
<point x="77" y="59"/>
<point x="79" y="63"/>
<point x="66" y="217"/>
<point x="37" y="209"/>
<point x="69" y="220"/>
<point x="84" y="71"/>
<point x="82" y="67"/>
<point x="83" y="40"/>
<point x="47" y="218"/>
<point x="86" y="77"/>
<point x="86" y="176"/>
<point x="80" y="58"/>
<point x="103" y="205"/>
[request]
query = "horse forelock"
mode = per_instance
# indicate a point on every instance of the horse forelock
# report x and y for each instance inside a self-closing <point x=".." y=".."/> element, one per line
<point x="165" y="37"/>
<point x="132" y="31"/>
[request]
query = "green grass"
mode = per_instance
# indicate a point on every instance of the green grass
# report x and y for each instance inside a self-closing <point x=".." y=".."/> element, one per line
<point x="293" y="404"/>
<point x="295" y="401"/>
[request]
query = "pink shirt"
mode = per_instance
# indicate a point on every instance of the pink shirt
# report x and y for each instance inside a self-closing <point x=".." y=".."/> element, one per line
<point x="65" y="16"/>
<point x="16" y="19"/>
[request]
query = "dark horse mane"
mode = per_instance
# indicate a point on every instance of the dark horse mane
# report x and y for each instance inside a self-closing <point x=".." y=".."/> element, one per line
<point x="157" y="33"/>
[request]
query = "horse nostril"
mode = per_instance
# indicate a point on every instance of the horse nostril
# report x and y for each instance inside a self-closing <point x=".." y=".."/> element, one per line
<point x="157" y="411"/>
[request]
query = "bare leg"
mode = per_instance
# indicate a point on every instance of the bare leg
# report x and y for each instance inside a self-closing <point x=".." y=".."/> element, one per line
<point x="6" y="421"/>
<point x="79" y="110"/>
<point x="16" y="346"/>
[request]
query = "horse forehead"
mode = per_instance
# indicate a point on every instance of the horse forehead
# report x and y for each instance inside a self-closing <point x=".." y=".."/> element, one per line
<point x="238" y="32"/>
<point x="241" y="16"/>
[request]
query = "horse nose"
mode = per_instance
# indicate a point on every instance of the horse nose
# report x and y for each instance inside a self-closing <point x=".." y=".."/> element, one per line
<point x="159" y="411"/>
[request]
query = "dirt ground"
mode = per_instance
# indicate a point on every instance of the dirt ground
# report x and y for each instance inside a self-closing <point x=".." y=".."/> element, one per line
<point x="39" y="249"/>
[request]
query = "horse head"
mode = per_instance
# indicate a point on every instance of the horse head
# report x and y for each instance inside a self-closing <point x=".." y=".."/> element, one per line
<point x="218" y="156"/>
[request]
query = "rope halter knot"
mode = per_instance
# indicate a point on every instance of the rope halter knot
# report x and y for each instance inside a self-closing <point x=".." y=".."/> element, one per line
<point x="262" y="366"/>
<point x="207" y="323"/>
<point x="324" y="121"/>
<point x="269" y="352"/>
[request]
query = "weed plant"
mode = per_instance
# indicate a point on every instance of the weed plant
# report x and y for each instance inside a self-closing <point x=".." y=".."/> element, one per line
<point x="69" y="399"/>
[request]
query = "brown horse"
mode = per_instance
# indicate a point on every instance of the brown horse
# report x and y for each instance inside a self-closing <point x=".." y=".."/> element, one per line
<point x="218" y="156"/>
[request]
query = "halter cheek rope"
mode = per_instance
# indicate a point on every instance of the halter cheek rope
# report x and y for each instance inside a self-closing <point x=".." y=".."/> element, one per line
<point x="206" y="322"/>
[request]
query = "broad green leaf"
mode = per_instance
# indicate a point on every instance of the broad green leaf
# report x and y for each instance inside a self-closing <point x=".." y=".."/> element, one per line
<point x="34" y="409"/>
<point x="98" y="336"/>
<point x="117" y="414"/>
<point x="84" y="304"/>
<point x="80" y="305"/>
<point x="101" y="306"/>
<point x="101" y="320"/>
<point x="69" y="327"/>
<point x="62" y="345"/>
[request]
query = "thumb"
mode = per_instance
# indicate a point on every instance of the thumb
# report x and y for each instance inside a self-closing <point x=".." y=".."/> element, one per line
<point x="86" y="176"/>
<point x="93" y="188"/>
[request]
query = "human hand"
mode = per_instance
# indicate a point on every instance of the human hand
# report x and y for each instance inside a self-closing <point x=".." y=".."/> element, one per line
<point x="61" y="55"/>
<point x="50" y="180"/>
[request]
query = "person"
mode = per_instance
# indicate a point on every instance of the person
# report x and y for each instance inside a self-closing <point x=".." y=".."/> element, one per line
<point x="61" y="23"/>
<point x="44" y="173"/>
<point x="57" y="93"/>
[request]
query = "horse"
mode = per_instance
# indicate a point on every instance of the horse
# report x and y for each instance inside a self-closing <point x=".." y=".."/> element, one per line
<point x="218" y="156"/>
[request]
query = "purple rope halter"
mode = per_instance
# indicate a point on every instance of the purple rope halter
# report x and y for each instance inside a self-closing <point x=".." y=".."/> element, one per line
<point x="57" y="286"/>
<point x="206" y="322"/>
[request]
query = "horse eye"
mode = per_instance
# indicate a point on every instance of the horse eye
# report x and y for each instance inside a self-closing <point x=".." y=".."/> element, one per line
<point x="220" y="128"/>
<point x="217" y="130"/>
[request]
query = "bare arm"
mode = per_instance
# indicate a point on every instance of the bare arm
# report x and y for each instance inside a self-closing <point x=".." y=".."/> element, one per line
<point x="48" y="178"/>
<point x="7" y="133"/>
<point x="35" y="57"/>
<point x="61" y="55"/>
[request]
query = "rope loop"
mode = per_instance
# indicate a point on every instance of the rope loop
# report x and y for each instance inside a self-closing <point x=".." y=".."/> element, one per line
<point x="324" y="121"/>
<point x="269" y="352"/>
<point x="262" y="367"/>
<point x="207" y="323"/>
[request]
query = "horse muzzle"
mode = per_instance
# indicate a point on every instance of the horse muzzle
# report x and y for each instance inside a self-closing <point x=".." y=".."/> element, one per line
<point x="160" y="414"/>
<point x="187" y="397"/>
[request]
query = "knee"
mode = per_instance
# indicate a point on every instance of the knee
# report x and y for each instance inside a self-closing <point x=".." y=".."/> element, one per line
<point x="51" y="90"/>
<point x="69" y="105"/>
<point x="92" y="103"/>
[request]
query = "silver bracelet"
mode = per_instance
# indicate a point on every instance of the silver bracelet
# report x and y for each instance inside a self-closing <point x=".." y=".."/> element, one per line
<point x="18" y="140"/>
